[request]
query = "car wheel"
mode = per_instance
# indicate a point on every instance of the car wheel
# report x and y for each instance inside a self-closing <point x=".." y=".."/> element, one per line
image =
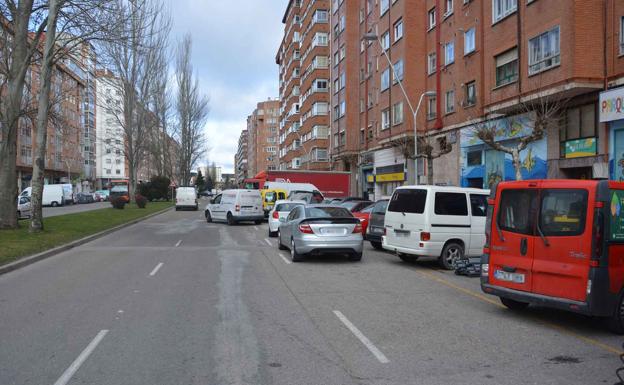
<point x="513" y="304"/>
<point x="54" y="204"/>
<point x="407" y="257"/>
<point x="376" y="245"/>
<point x="177" y="208"/>
<point x="279" y="241"/>
<point x="451" y="253"/>
<point x="615" y="323"/>
<point x="208" y="217"/>
<point x="355" y="257"/>
<point x="259" y="222"/>
<point x="294" y="255"/>
<point x="272" y="234"/>
<point x="230" y="219"/>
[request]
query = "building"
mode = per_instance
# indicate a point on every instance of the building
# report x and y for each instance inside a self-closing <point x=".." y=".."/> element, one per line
<point x="240" y="160"/>
<point x="303" y="59"/>
<point x="262" y="137"/>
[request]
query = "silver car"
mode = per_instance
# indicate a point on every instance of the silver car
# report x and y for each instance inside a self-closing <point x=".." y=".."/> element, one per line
<point x="23" y="207"/>
<point x="318" y="229"/>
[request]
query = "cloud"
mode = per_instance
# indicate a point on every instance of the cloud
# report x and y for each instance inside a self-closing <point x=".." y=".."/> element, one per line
<point x="234" y="48"/>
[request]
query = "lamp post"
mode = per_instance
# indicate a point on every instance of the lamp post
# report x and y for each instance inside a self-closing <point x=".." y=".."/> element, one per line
<point x="374" y="37"/>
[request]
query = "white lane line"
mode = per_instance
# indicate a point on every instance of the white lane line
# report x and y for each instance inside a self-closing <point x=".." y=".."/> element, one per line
<point x="73" y="368"/>
<point x="268" y="241"/>
<point x="256" y="228"/>
<point x="369" y="345"/>
<point x="178" y="244"/>
<point x="153" y="273"/>
<point x="288" y="262"/>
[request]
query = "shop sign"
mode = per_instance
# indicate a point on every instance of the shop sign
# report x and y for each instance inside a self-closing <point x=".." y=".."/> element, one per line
<point x="370" y="178"/>
<point x="617" y="215"/>
<point x="612" y="105"/>
<point x="394" y="177"/>
<point x="580" y="147"/>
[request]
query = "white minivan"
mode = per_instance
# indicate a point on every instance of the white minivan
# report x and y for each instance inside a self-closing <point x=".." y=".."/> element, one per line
<point x="53" y="194"/>
<point x="235" y="206"/>
<point x="186" y="197"/>
<point x="447" y="223"/>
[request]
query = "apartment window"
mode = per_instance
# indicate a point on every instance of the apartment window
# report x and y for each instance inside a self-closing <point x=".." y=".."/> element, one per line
<point x="469" y="41"/>
<point x="448" y="7"/>
<point x="336" y="85"/>
<point x="450" y="102"/>
<point x="118" y="172"/>
<point x="622" y="35"/>
<point x="336" y="58"/>
<point x="108" y="150"/>
<point x="343" y="108"/>
<point x="362" y="45"/>
<point x="503" y="8"/>
<point x="431" y="63"/>
<point x="108" y="170"/>
<point x="449" y="53"/>
<point x="544" y="51"/>
<point x="471" y="94"/>
<point x="385" y="40"/>
<point x="385" y="79"/>
<point x="385" y="119"/>
<point x="507" y="67"/>
<point x="383" y="6"/>
<point x="343" y="52"/>
<point x="320" y="39"/>
<point x="580" y="123"/>
<point x="321" y="84"/>
<point x="343" y="23"/>
<point x="397" y="113"/>
<point x="398" y="71"/>
<point x="398" y="30"/>
<point x="109" y="161"/>
<point x="343" y="80"/>
<point x="117" y="161"/>
<point x="431" y="108"/>
<point x="432" y="17"/>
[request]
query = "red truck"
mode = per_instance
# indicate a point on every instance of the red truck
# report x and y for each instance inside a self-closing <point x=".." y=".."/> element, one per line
<point x="332" y="184"/>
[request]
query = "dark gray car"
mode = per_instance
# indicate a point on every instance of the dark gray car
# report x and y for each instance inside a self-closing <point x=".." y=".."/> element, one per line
<point x="376" y="224"/>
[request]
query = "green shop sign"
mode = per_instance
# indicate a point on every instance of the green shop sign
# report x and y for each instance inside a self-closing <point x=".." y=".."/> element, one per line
<point x="617" y="215"/>
<point x="580" y="147"/>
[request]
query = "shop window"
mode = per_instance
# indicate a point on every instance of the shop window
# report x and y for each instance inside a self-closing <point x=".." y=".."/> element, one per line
<point x="474" y="158"/>
<point x="580" y="123"/>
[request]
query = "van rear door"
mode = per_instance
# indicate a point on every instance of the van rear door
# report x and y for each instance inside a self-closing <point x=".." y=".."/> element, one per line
<point x="405" y="217"/>
<point x="511" y="239"/>
<point x="561" y="256"/>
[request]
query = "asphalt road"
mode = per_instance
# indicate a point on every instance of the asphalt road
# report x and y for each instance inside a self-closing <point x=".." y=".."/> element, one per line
<point x="76" y="208"/>
<point x="174" y="300"/>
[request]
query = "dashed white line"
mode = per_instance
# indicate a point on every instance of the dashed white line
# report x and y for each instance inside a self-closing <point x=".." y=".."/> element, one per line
<point x="153" y="273"/>
<point x="363" y="339"/>
<point x="178" y="244"/>
<point x="256" y="228"/>
<point x="73" y="368"/>
<point x="268" y="241"/>
<point x="285" y="259"/>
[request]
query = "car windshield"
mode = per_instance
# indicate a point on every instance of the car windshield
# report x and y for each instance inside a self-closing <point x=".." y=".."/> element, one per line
<point x="269" y="197"/>
<point x="349" y="205"/>
<point x="119" y="189"/>
<point x="286" y="207"/>
<point x="327" y="212"/>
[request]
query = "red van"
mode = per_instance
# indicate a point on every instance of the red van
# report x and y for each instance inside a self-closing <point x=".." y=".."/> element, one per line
<point x="557" y="243"/>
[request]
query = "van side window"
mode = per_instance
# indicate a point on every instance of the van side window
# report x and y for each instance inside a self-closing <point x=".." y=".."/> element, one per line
<point x="478" y="205"/>
<point x="516" y="211"/>
<point x="450" y="204"/>
<point x="410" y="201"/>
<point x="563" y="212"/>
<point x="217" y="200"/>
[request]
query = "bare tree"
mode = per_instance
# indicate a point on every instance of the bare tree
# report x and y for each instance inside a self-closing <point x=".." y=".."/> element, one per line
<point x="192" y="111"/>
<point x="427" y="151"/>
<point x="160" y="147"/>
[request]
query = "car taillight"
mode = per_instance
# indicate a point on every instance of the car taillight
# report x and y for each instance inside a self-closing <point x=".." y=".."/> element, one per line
<point x="237" y="208"/>
<point x="275" y="215"/>
<point x="425" y="236"/>
<point x="358" y="228"/>
<point x="306" y="229"/>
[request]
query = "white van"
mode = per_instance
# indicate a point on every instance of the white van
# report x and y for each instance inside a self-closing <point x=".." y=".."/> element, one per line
<point x="186" y="197"/>
<point x="447" y="223"/>
<point x="53" y="195"/>
<point x="235" y="206"/>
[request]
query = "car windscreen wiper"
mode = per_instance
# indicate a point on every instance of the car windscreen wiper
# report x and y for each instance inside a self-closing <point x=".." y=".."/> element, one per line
<point x="541" y="234"/>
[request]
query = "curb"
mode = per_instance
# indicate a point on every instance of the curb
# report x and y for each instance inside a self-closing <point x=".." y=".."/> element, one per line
<point x="59" y="249"/>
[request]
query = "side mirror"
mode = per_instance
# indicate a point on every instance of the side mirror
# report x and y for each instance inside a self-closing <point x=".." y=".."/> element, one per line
<point x="212" y="201"/>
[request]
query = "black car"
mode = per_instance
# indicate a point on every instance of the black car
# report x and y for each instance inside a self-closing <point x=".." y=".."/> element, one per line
<point x="85" y="198"/>
<point x="355" y="206"/>
<point x="376" y="224"/>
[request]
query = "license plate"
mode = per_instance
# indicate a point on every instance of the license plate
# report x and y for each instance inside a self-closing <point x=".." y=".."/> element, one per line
<point x="509" y="277"/>
<point x="376" y="230"/>
<point x="332" y="230"/>
<point x="401" y="233"/>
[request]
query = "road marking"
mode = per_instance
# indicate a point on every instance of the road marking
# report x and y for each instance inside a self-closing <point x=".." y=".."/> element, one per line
<point x="363" y="339"/>
<point x="178" y="244"/>
<point x="256" y="228"/>
<point x="153" y="273"/>
<point x="288" y="262"/>
<point x="268" y="241"/>
<point x="73" y="368"/>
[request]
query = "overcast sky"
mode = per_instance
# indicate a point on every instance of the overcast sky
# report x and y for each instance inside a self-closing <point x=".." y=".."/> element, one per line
<point x="234" y="47"/>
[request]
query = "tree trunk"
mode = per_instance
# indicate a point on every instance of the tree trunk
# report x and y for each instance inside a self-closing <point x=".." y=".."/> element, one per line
<point x="41" y="127"/>
<point x="515" y="155"/>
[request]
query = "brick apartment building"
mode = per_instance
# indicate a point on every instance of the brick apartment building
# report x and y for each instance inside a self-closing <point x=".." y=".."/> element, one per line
<point x="262" y="137"/>
<point x="303" y="59"/>
<point x="240" y="159"/>
<point x="488" y="62"/>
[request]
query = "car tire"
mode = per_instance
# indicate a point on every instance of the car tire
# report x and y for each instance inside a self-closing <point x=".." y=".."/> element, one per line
<point x="512" y="304"/>
<point x="615" y="323"/>
<point x="407" y="257"/>
<point x="376" y="245"/>
<point x="230" y="219"/>
<point x="177" y="208"/>
<point x="279" y="241"/>
<point x="196" y="207"/>
<point x="208" y="217"/>
<point x="54" y="204"/>
<point x="294" y="255"/>
<point x="451" y="253"/>
<point x="259" y="222"/>
<point x="19" y="215"/>
<point x="272" y="234"/>
<point x="355" y="257"/>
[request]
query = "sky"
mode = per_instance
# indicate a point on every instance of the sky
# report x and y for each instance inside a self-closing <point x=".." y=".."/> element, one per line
<point x="234" y="48"/>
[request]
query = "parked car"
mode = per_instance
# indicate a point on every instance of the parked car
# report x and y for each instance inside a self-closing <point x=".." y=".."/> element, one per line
<point x="447" y="223"/>
<point x="557" y="243"/>
<point x="364" y="215"/>
<point x="186" y="197"/>
<point x="376" y="227"/>
<point x="83" y="197"/>
<point x="310" y="197"/>
<point x="318" y="229"/>
<point x="281" y="210"/>
<point x="205" y="193"/>
<point x="355" y="206"/>
<point x="23" y="207"/>
<point x="352" y="199"/>
<point x="237" y="205"/>
<point x="102" y="195"/>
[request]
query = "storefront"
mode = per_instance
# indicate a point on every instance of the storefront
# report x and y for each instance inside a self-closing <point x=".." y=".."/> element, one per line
<point x="482" y="166"/>
<point x="611" y="110"/>
<point x="390" y="172"/>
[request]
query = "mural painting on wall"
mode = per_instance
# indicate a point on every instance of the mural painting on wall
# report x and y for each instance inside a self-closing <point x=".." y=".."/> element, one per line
<point x="616" y="161"/>
<point x="483" y="166"/>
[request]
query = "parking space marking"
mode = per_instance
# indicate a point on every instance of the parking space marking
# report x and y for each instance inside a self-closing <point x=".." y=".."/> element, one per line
<point x="153" y="273"/>
<point x="73" y="368"/>
<point x="363" y="339"/>
<point x="178" y="244"/>
<point x="288" y="262"/>
<point x="256" y="228"/>
<point x="268" y="241"/>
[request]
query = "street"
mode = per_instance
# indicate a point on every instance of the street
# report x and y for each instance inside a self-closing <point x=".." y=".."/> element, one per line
<point x="75" y="208"/>
<point x="175" y="300"/>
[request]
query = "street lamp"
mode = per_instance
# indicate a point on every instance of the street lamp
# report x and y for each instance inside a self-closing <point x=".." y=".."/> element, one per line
<point x="374" y="37"/>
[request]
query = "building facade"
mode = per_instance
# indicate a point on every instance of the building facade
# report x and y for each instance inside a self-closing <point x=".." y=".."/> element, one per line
<point x="240" y="160"/>
<point x="263" y="137"/>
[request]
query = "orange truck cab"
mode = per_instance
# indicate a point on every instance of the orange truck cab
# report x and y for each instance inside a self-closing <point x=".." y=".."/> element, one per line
<point x="557" y="243"/>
